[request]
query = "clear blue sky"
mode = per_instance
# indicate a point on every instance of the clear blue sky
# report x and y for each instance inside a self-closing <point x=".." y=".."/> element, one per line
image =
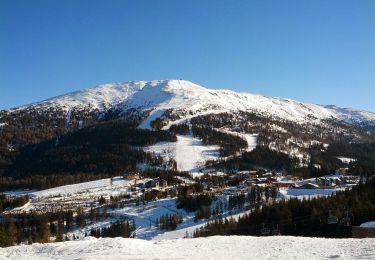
<point x="319" y="51"/>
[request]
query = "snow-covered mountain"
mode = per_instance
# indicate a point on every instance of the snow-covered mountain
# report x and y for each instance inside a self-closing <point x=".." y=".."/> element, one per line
<point x="156" y="97"/>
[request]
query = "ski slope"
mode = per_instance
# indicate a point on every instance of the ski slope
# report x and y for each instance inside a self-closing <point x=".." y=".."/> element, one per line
<point x="188" y="152"/>
<point x="191" y="153"/>
<point x="217" y="247"/>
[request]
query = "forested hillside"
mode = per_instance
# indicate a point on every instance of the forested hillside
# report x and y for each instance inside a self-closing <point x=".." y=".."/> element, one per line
<point x="110" y="148"/>
<point x="308" y="217"/>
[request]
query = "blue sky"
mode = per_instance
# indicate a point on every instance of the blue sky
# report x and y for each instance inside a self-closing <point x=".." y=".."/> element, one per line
<point x="319" y="51"/>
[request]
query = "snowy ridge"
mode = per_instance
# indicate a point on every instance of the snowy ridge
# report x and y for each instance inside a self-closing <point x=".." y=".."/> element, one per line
<point x="217" y="247"/>
<point x="160" y="95"/>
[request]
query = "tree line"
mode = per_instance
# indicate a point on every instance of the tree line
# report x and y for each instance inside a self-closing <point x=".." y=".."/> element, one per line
<point x="120" y="228"/>
<point x="307" y="217"/>
<point x="168" y="221"/>
<point x="35" y="227"/>
<point x="107" y="148"/>
<point x="229" y="143"/>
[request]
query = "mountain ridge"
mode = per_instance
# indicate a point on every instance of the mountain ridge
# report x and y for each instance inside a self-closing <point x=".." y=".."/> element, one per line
<point x="158" y="96"/>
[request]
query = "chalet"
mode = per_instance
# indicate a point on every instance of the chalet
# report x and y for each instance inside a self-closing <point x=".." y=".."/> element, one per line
<point x="156" y="183"/>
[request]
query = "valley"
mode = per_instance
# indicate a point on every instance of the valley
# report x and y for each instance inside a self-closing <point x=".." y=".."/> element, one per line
<point x="171" y="159"/>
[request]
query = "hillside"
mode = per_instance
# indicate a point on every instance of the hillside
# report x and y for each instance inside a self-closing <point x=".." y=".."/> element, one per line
<point x="69" y="134"/>
<point x="209" y="248"/>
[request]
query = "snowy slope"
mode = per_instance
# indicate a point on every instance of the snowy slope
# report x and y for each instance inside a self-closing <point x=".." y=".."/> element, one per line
<point x="188" y="152"/>
<point x="218" y="247"/>
<point x="160" y="95"/>
<point x="79" y="188"/>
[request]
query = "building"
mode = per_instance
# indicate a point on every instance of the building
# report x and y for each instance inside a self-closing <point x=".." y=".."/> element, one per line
<point x="156" y="183"/>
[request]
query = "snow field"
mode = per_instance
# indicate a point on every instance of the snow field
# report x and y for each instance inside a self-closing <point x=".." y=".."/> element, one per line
<point x="217" y="247"/>
<point x="92" y="186"/>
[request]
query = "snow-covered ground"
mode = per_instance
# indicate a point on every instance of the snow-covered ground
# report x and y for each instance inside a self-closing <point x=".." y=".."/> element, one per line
<point x="189" y="152"/>
<point x="192" y="153"/>
<point x="251" y="139"/>
<point x="217" y="247"/>
<point x="102" y="186"/>
<point x="346" y="160"/>
<point x="83" y="194"/>
<point x="187" y="229"/>
<point x="306" y="193"/>
<point x="144" y="217"/>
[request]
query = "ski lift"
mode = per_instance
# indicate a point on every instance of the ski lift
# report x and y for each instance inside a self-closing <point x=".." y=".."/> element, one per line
<point x="332" y="219"/>
<point x="265" y="231"/>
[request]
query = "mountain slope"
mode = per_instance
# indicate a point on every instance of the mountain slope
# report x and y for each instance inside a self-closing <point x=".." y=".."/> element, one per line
<point x="217" y="117"/>
<point x="159" y="96"/>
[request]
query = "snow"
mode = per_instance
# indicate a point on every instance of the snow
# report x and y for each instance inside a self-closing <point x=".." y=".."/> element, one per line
<point x="346" y="160"/>
<point x="16" y="193"/>
<point x="251" y="139"/>
<point x="75" y="195"/>
<point x="217" y="247"/>
<point x="306" y="193"/>
<point x="160" y="95"/>
<point x="166" y="150"/>
<point x="188" y="227"/>
<point x="144" y="217"/>
<point x="153" y="115"/>
<point x="90" y="186"/>
<point x="370" y="224"/>
<point x="189" y="152"/>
